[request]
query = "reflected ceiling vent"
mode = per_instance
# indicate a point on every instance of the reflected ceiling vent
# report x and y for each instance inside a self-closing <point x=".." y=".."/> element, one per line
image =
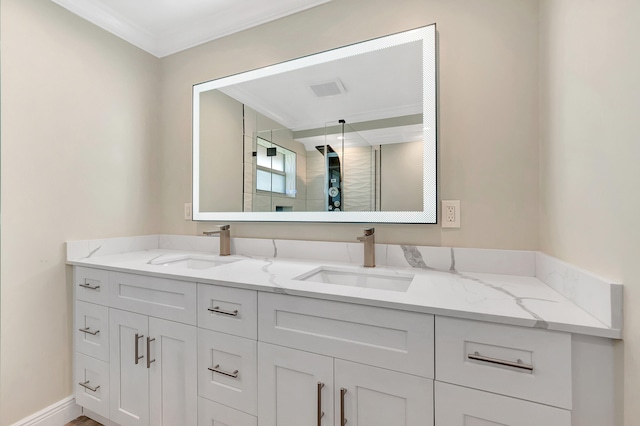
<point x="329" y="88"/>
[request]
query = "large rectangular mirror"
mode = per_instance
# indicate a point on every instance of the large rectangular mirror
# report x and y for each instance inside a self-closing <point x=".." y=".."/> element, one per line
<point x="346" y="135"/>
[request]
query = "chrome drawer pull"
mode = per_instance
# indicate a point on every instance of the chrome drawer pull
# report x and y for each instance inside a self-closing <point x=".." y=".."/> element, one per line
<point x="320" y="412"/>
<point x="518" y="364"/>
<point x="137" y="349"/>
<point x="149" y="360"/>
<point x="217" y="310"/>
<point x="86" y="386"/>
<point x="88" y="331"/>
<point x="343" y="420"/>
<point x="89" y="286"/>
<point x="216" y="369"/>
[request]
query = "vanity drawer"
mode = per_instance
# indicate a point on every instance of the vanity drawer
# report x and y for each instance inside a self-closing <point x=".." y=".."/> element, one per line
<point x="228" y="310"/>
<point x="92" y="330"/>
<point x="234" y="359"/>
<point x="92" y="384"/>
<point x="460" y="406"/>
<point x="520" y="362"/>
<point x="91" y="285"/>
<point x="387" y="338"/>
<point x="212" y="413"/>
<point x="157" y="297"/>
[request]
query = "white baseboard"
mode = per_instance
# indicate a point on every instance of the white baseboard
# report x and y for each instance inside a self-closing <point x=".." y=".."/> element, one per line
<point x="58" y="414"/>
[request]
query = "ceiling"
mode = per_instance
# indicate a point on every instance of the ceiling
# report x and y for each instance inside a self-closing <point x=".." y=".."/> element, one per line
<point x="375" y="86"/>
<point x="164" y="27"/>
<point x="379" y="84"/>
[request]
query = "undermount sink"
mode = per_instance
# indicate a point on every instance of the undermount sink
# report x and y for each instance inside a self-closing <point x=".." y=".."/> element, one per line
<point x="190" y="261"/>
<point x="373" y="279"/>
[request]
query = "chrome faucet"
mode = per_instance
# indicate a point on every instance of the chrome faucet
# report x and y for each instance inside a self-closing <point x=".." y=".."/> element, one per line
<point x="225" y="238"/>
<point x="369" y="240"/>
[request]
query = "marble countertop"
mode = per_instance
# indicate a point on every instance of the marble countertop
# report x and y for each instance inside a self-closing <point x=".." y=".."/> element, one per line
<point x="508" y="299"/>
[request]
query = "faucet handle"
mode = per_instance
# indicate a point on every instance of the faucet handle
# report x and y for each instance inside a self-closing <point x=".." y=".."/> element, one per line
<point x="369" y="231"/>
<point x="224" y="227"/>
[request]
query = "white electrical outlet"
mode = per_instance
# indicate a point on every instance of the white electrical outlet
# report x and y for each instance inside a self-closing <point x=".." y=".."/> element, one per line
<point x="451" y="213"/>
<point x="187" y="211"/>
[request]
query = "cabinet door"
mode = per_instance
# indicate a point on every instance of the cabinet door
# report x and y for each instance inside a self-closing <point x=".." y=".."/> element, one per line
<point x="173" y="385"/>
<point x="211" y="413"/>
<point x="289" y="393"/>
<point x="378" y="397"/>
<point x="460" y="406"/>
<point x="129" y="374"/>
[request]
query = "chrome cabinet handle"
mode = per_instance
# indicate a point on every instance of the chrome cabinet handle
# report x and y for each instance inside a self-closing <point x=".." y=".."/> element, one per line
<point x="320" y="412"/>
<point x="138" y="337"/>
<point x="217" y="310"/>
<point x="86" y="386"/>
<point x="518" y="364"/>
<point x="149" y="360"/>
<point x="343" y="421"/>
<point x="89" y="286"/>
<point x="216" y="369"/>
<point x="88" y="331"/>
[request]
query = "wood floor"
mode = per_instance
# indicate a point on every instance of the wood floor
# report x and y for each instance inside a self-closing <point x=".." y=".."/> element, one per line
<point x="83" y="421"/>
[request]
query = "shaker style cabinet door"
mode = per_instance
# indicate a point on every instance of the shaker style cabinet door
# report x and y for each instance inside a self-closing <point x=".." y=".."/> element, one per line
<point x="173" y="381"/>
<point x="129" y="376"/>
<point x="371" y="396"/>
<point x="460" y="406"/>
<point x="295" y="387"/>
<point x="211" y="413"/>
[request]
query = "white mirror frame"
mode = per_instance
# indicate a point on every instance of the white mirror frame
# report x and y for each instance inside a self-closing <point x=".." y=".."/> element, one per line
<point x="427" y="215"/>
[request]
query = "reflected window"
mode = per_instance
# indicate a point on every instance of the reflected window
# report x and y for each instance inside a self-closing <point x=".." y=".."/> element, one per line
<point x="276" y="168"/>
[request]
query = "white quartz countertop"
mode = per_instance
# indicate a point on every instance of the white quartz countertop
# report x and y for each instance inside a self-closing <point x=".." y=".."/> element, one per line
<point x="508" y="299"/>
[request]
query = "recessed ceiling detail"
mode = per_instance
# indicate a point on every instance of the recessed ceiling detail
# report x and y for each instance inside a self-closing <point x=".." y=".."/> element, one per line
<point x="169" y="26"/>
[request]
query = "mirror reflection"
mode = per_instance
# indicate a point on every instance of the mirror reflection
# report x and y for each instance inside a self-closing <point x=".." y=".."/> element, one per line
<point x="337" y="136"/>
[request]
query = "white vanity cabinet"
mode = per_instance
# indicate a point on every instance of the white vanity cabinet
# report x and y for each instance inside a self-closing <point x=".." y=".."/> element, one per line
<point x="299" y="388"/>
<point x="152" y="351"/>
<point x="372" y="396"/>
<point x="91" y="342"/>
<point x="140" y="367"/>
<point x="318" y="365"/>
<point x="460" y="406"/>
<point x="227" y="356"/>
<point x="296" y="387"/>
<point x="153" y="371"/>
<point x="387" y="338"/>
<point x="493" y="374"/>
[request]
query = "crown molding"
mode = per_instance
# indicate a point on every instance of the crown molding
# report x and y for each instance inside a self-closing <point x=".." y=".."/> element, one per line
<point x="109" y="20"/>
<point x="204" y="29"/>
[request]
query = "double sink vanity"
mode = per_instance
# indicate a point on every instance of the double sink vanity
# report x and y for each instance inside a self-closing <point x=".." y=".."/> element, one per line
<point x="168" y="332"/>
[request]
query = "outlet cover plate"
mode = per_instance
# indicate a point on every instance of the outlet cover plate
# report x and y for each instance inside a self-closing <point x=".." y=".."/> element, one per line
<point x="450" y="213"/>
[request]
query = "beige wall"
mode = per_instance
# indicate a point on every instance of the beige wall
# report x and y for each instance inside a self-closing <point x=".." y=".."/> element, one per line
<point x="590" y="148"/>
<point x="401" y="186"/>
<point x="488" y="112"/>
<point x="221" y="152"/>
<point x="79" y="160"/>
